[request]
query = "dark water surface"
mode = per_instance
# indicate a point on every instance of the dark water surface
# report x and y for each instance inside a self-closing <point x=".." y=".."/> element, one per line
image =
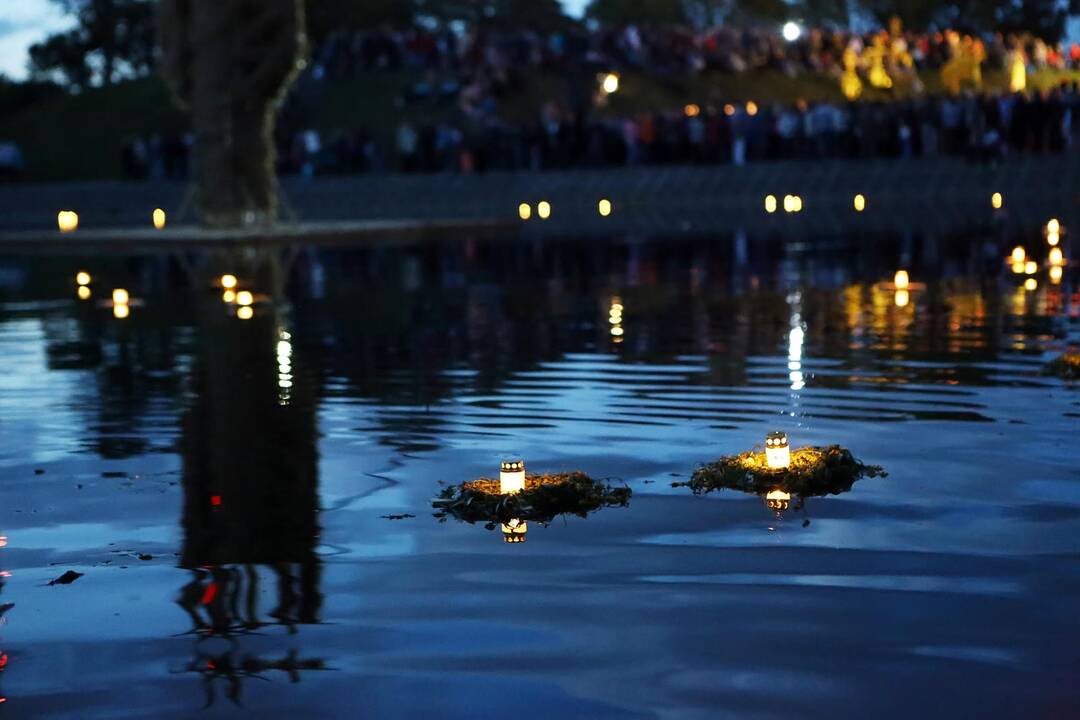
<point x="222" y="483"/>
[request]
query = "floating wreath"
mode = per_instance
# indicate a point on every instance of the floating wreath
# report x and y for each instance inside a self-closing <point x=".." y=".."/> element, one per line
<point x="544" y="498"/>
<point x="813" y="472"/>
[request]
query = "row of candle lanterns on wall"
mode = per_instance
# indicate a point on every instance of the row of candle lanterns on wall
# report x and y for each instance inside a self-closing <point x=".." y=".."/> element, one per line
<point x="68" y="220"/>
<point x="543" y="209"/>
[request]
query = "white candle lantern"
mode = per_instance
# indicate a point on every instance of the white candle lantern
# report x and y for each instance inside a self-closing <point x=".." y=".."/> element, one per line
<point x="67" y="220"/>
<point x="511" y="476"/>
<point x="515" y="531"/>
<point x="777" y="452"/>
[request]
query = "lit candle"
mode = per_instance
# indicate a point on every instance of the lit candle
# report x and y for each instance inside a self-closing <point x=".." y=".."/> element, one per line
<point x="901" y="280"/>
<point x="1019" y="255"/>
<point x="604" y="207"/>
<point x="159" y="218"/>
<point x="515" y="531"/>
<point x="228" y="297"/>
<point x="82" y="278"/>
<point x="84" y="292"/>
<point x="244" y="312"/>
<point x="1056" y="274"/>
<point x="543" y="209"/>
<point x="228" y="281"/>
<point x="860" y="203"/>
<point x="120" y="296"/>
<point x="996" y="200"/>
<point x="67" y="220"/>
<point x="1031" y="284"/>
<point x="610" y="84"/>
<point x="511" y="476"/>
<point x="244" y="297"/>
<point x="1056" y="256"/>
<point x="1031" y="267"/>
<point x="770" y="204"/>
<point x="1053" y="238"/>
<point x="524" y="211"/>
<point x="1053" y="226"/>
<point x="777" y="452"/>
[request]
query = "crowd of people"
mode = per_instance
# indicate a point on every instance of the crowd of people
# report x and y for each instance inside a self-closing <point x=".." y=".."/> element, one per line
<point x="468" y="75"/>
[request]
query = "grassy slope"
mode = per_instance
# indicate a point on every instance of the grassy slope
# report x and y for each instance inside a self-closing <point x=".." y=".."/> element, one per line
<point x="80" y="136"/>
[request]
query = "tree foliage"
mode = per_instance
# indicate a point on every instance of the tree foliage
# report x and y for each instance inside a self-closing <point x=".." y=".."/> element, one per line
<point x="111" y="39"/>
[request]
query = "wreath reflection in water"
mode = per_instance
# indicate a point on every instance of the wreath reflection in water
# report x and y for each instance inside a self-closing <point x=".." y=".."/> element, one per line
<point x="543" y="498"/>
<point x="812" y="472"/>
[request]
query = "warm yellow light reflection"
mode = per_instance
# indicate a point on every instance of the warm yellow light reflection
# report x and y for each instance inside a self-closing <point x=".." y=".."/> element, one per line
<point x="1018" y="267"/>
<point x="902" y="298"/>
<point x="159" y="218"/>
<point x="751" y="108"/>
<point x="511" y="476"/>
<point x="1053" y="239"/>
<point x="121" y="311"/>
<point x="84" y="292"/>
<point x="1056" y="256"/>
<point x="1031" y="284"/>
<point x="1031" y="267"/>
<point x="120" y="296"/>
<point x="1019" y="254"/>
<point x="82" y="278"/>
<point x="245" y="312"/>
<point x="770" y="204"/>
<point x="789" y="203"/>
<point x="860" y="203"/>
<point x="515" y="531"/>
<point x="543" y="209"/>
<point x="901" y="280"/>
<point x="1056" y="273"/>
<point x="996" y="200"/>
<point x="244" y="298"/>
<point x="228" y="281"/>
<point x="778" y="500"/>
<point x="610" y="83"/>
<point x="617" y="331"/>
<point x="604" y="207"/>
<point x="1053" y="226"/>
<point x="524" y="211"/>
<point x="229" y="296"/>
<point x="729" y="109"/>
<point x="692" y="110"/>
<point x="777" y="452"/>
<point x="796" y="203"/>
<point x="67" y="220"/>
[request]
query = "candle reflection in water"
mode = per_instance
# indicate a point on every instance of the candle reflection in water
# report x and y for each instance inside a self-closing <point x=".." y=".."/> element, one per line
<point x="615" y="319"/>
<point x="515" y="531"/>
<point x="778" y="500"/>
<point x="83" y="292"/>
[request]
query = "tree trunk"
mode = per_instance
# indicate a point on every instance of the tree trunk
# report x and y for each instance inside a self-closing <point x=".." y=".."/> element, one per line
<point x="231" y="62"/>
